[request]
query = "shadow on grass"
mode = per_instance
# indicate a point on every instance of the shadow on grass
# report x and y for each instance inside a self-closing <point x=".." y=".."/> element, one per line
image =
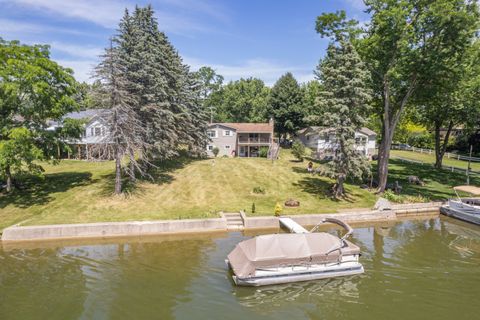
<point x="159" y="173"/>
<point x="400" y="170"/>
<point x="38" y="190"/>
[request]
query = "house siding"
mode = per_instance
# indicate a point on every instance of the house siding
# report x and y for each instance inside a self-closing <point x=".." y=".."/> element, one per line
<point x="318" y="142"/>
<point x="225" y="144"/>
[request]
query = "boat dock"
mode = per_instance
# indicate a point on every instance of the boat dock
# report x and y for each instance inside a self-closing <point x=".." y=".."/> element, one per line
<point x="292" y="226"/>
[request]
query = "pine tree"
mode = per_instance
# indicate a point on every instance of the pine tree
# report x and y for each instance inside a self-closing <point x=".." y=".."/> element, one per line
<point x="167" y="94"/>
<point x="124" y="136"/>
<point x="345" y="99"/>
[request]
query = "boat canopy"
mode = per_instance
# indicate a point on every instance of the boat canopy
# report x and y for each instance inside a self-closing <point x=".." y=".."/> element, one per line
<point x="279" y="250"/>
<point x="469" y="189"/>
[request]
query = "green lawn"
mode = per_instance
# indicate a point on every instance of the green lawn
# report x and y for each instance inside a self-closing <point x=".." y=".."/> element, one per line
<point x="430" y="158"/>
<point x="438" y="183"/>
<point x="78" y="191"/>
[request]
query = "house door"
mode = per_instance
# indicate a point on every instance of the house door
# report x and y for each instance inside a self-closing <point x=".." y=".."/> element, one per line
<point x="243" y="151"/>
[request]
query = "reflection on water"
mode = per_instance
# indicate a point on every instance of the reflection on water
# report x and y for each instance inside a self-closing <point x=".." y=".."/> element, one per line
<point x="413" y="270"/>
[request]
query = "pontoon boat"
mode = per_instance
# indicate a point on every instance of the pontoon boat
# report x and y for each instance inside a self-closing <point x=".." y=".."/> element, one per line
<point x="282" y="258"/>
<point x="467" y="209"/>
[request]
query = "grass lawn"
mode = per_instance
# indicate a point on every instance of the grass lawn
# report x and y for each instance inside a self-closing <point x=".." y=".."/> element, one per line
<point x="438" y="183"/>
<point x="78" y="191"/>
<point x="430" y="158"/>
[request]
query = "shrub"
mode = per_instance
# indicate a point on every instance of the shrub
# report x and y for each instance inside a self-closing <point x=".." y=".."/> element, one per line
<point x="278" y="209"/>
<point x="425" y="140"/>
<point x="298" y="150"/>
<point x="259" y="190"/>
<point x="215" y="151"/>
<point x="253" y="207"/>
<point x="391" y="196"/>
<point x="263" y="152"/>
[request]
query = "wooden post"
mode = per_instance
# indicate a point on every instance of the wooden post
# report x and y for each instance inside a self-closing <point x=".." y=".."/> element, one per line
<point x="469" y="168"/>
<point x="86" y="151"/>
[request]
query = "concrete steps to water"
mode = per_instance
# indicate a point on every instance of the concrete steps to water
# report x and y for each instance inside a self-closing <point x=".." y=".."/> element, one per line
<point x="234" y="220"/>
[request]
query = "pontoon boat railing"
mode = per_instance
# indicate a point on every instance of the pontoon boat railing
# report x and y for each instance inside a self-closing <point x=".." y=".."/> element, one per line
<point x="340" y="223"/>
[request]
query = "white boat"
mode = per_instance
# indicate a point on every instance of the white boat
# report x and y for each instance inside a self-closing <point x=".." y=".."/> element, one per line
<point x="283" y="258"/>
<point x="467" y="209"/>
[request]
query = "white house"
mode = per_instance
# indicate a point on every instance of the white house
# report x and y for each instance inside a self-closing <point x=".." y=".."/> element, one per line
<point x="322" y="140"/>
<point x="95" y="131"/>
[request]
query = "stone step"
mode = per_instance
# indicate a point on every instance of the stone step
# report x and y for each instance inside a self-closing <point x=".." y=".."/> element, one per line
<point x="235" y="224"/>
<point x="236" y="214"/>
<point x="234" y="218"/>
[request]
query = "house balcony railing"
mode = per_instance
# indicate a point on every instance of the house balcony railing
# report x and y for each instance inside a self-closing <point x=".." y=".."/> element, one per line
<point x="253" y="140"/>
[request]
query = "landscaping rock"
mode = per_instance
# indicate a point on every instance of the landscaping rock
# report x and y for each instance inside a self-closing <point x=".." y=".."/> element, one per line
<point x="292" y="203"/>
<point x="382" y="204"/>
<point x="415" y="180"/>
<point x="395" y="187"/>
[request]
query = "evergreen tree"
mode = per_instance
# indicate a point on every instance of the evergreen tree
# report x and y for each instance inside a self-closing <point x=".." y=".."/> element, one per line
<point x="286" y="105"/>
<point x="167" y="95"/>
<point x="345" y="100"/>
<point x="126" y="131"/>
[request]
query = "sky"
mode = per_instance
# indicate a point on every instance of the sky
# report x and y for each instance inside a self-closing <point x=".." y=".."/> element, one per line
<point x="237" y="38"/>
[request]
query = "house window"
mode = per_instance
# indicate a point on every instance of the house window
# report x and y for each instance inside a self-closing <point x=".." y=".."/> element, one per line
<point x="327" y="138"/>
<point x="92" y="131"/>
<point x="209" y="147"/>
<point x="308" y="138"/>
<point x="98" y="131"/>
<point x="227" y="147"/>
<point x="227" y="133"/>
<point x="212" y="133"/>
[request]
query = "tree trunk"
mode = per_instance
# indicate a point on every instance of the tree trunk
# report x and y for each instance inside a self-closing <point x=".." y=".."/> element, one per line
<point x="340" y="189"/>
<point x="118" y="173"/>
<point x="391" y="117"/>
<point x="384" y="157"/>
<point x="441" y="147"/>
<point x="132" y="166"/>
<point x="8" y="173"/>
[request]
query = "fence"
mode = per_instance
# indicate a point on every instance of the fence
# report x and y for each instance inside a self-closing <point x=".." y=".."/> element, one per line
<point x="449" y="168"/>
<point x="449" y="155"/>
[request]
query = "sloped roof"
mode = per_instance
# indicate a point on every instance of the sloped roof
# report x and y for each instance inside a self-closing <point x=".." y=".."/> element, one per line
<point x="317" y="129"/>
<point x="89" y="113"/>
<point x="368" y="132"/>
<point x="247" y="127"/>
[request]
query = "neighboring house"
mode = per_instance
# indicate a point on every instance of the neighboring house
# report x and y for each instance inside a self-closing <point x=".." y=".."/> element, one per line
<point x="95" y="132"/>
<point x="242" y="139"/>
<point x="322" y="140"/>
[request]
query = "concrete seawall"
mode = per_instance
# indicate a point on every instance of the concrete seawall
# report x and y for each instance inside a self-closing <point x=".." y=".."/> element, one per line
<point x="139" y="228"/>
<point x="111" y="229"/>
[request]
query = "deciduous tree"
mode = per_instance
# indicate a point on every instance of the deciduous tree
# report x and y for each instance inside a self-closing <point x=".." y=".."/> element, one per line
<point x="33" y="90"/>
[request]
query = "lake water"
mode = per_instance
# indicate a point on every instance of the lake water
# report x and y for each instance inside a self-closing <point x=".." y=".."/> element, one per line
<point x="424" y="269"/>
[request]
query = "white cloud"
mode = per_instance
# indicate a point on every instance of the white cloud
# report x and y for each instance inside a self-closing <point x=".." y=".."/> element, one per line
<point x="14" y="27"/>
<point x="105" y="13"/>
<point x="268" y="71"/>
<point x="83" y="69"/>
<point x="86" y="51"/>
